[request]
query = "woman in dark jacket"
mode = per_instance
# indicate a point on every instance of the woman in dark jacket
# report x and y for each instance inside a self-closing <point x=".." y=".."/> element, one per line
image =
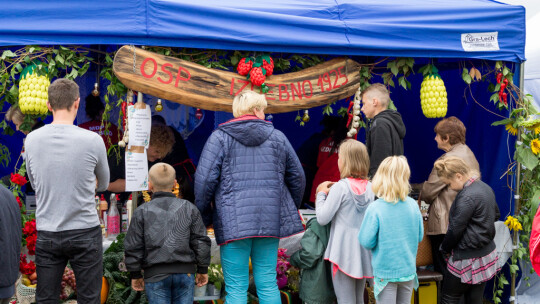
<point x="252" y="174"/>
<point x="468" y="244"/>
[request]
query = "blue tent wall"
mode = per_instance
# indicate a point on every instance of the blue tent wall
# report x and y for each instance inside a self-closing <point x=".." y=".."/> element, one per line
<point x="492" y="146"/>
<point x="413" y="28"/>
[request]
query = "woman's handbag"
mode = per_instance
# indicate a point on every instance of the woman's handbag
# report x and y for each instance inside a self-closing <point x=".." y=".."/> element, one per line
<point x="424" y="256"/>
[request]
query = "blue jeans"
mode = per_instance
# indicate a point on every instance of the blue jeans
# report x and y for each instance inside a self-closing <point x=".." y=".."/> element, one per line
<point x="176" y="288"/>
<point x="235" y="264"/>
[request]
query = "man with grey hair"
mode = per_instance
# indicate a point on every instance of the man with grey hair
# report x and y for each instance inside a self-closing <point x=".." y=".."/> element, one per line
<point x="65" y="163"/>
<point x="386" y="131"/>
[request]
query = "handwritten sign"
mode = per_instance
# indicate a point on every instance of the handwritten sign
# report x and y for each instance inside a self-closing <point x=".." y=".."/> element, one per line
<point x="136" y="171"/>
<point x="191" y="84"/>
<point x="139" y="125"/>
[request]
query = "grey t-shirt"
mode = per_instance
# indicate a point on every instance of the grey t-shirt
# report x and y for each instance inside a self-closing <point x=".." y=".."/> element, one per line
<point x="63" y="162"/>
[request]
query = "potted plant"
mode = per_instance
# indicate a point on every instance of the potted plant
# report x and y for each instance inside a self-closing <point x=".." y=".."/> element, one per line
<point x="215" y="279"/>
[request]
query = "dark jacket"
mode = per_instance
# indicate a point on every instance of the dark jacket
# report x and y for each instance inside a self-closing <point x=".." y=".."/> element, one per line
<point x="471" y="228"/>
<point x="439" y="195"/>
<point x="10" y="242"/>
<point x="166" y="235"/>
<point x="384" y="138"/>
<point x="316" y="275"/>
<point x="251" y="172"/>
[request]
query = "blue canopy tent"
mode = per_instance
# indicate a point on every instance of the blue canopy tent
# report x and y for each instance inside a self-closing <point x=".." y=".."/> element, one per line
<point x="420" y="28"/>
<point x="474" y="29"/>
<point x="426" y="28"/>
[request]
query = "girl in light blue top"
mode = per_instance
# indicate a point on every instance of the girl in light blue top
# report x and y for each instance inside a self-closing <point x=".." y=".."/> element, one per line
<point x="392" y="229"/>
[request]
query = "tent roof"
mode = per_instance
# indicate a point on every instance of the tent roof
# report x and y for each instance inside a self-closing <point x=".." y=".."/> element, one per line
<point x="417" y="28"/>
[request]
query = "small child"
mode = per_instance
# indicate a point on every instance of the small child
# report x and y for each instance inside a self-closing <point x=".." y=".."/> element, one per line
<point x="392" y="229"/>
<point x="167" y="239"/>
<point x="345" y="206"/>
<point x="316" y="276"/>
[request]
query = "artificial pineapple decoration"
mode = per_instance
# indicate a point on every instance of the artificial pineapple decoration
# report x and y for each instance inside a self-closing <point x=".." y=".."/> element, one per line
<point x="33" y="91"/>
<point x="433" y="96"/>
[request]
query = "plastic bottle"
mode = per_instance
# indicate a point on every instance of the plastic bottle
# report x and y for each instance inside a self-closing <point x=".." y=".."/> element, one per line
<point x="125" y="219"/>
<point x="102" y="206"/>
<point x="129" y="207"/>
<point x="103" y="216"/>
<point x="113" y="217"/>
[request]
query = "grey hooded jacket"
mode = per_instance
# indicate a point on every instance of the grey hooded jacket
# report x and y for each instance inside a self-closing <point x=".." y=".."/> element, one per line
<point x="345" y="210"/>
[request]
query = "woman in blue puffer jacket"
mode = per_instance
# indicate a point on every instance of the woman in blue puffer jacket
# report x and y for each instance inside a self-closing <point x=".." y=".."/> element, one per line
<point x="252" y="174"/>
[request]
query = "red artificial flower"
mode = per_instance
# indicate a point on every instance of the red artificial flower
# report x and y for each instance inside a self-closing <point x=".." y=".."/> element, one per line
<point x="282" y="253"/>
<point x="30" y="228"/>
<point x="26" y="267"/>
<point x="18" y="179"/>
<point x="19" y="201"/>
<point x="31" y="244"/>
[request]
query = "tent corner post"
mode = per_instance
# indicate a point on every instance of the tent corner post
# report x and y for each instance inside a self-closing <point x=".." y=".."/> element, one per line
<point x="517" y="197"/>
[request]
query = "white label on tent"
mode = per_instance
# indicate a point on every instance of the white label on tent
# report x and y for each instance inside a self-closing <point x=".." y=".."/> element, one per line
<point x="136" y="171"/>
<point x="480" y="42"/>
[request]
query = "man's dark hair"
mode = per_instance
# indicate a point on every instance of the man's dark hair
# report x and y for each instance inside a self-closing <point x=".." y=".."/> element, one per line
<point x="93" y="107"/>
<point x="158" y="119"/>
<point x="63" y="93"/>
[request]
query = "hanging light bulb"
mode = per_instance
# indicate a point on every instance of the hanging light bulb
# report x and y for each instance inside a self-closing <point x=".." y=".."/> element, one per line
<point x="198" y="113"/>
<point x="95" y="92"/>
<point x="159" y="106"/>
<point x="306" y="117"/>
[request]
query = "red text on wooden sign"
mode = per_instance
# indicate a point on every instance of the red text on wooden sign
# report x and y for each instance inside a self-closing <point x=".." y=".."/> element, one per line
<point x="165" y="68"/>
<point x="327" y="81"/>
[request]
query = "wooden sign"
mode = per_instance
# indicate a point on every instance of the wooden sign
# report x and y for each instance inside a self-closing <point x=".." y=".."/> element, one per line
<point x="191" y="84"/>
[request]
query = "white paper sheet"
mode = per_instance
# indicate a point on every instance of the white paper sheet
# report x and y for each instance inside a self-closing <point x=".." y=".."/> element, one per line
<point x="139" y="125"/>
<point x="136" y="171"/>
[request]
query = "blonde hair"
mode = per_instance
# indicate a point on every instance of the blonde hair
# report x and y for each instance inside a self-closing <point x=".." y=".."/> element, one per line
<point x="14" y="113"/>
<point x="246" y="101"/>
<point x="355" y="159"/>
<point x="391" y="182"/>
<point x="162" y="176"/>
<point x="448" y="167"/>
<point x="379" y="91"/>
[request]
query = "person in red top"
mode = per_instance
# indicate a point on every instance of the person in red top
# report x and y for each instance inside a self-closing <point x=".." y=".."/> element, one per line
<point x="94" y="110"/>
<point x="327" y="159"/>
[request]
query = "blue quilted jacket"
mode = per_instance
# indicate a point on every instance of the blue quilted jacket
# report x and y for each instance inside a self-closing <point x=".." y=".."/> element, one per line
<point x="252" y="174"/>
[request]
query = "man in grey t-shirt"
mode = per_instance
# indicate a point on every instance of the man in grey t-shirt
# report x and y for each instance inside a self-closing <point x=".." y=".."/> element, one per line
<point x="64" y="164"/>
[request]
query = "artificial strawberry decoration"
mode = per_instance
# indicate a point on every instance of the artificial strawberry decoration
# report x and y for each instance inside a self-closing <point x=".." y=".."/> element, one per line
<point x="268" y="65"/>
<point x="257" y="76"/>
<point x="244" y="66"/>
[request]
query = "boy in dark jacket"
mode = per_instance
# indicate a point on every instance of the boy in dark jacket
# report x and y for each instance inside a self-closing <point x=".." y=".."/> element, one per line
<point x="316" y="277"/>
<point x="386" y="131"/>
<point x="167" y="239"/>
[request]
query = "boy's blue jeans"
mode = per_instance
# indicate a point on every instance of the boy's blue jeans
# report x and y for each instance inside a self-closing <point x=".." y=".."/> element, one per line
<point x="235" y="264"/>
<point x="176" y="288"/>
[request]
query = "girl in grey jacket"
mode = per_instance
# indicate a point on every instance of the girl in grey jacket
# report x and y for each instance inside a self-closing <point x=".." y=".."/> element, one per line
<point x="345" y="206"/>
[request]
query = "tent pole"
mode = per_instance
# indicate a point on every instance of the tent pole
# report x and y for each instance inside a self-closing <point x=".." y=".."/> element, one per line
<point x="517" y="196"/>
